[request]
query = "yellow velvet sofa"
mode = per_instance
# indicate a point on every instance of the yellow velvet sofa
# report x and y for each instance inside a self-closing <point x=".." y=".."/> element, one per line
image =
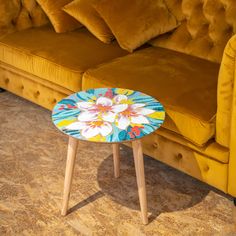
<point x="191" y="70"/>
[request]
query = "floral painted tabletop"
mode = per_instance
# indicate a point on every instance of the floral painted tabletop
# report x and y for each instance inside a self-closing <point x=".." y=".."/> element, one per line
<point x="108" y="115"/>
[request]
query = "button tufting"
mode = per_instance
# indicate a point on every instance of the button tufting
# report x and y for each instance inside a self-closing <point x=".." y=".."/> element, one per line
<point x="37" y="94"/>
<point x="7" y="80"/>
<point x="179" y="156"/>
<point x="211" y="44"/>
<point x="22" y="87"/>
<point x="54" y="100"/>
<point x="13" y="22"/>
<point x="229" y="29"/>
<point x="200" y="4"/>
<point x="223" y="8"/>
<point x="155" y="145"/>
<point x="206" y="168"/>
<point x="202" y="19"/>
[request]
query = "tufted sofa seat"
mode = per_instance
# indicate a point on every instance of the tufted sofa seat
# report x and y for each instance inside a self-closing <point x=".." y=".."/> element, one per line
<point x="178" y="80"/>
<point x="58" y="58"/>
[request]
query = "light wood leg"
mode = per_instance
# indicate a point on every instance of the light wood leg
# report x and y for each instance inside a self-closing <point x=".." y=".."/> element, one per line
<point x="116" y="159"/>
<point x="139" y="168"/>
<point x="71" y="154"/>
<point x="234" y="213"/>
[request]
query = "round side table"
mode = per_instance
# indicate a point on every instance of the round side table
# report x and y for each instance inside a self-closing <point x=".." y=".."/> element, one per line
<point x="108" y="115"/>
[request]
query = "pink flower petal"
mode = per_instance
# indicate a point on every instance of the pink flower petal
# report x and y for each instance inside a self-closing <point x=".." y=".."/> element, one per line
<point x="123" y="122"/>
<point x="119" y="108"/>
<point x="87" y="116"/>
<point x="119" y="98"/>
<point x="105" y="129"/>
<point x="137" y="105"/>
<point x="85" y="105"/>
<point x="144" y="111"/>
<point x="76" y="126"/>
<point x="90" y="131"/>
<point x="109" y="116"/>
<point x="139" y="120"/>
<point x="104" y="101"/>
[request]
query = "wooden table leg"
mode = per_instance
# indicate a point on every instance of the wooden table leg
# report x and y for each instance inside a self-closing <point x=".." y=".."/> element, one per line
<point x="234" y="213"/>
<point x="71" y="154"/>
<point x="116" y="159"/>
<point x="139" y="168"/>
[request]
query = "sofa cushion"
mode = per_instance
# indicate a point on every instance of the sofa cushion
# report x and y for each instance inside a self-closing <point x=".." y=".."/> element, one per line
<point x="131" y="24"/>
<point x="61" y="21"/>
<point x="84" y="12"/>
<point x="186" y="86"/>
<point x="59" y="58"/>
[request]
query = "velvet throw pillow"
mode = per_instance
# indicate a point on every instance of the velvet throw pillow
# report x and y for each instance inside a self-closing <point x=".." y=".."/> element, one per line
<point x="61" y="21"/>
<point x="84" y="12"/>
<point x="134" y="22"/>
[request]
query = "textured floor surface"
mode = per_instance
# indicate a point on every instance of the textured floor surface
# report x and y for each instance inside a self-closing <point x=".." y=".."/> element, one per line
<point x="32" y="163"/>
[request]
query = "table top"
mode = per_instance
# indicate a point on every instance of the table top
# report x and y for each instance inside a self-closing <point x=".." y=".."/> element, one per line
<point x="108" y="115"/>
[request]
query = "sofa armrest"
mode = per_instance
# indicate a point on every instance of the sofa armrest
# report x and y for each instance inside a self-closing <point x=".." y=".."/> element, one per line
<point x="226" y="109"/>
<point x="19" y="15"/>
<point x="232" y="157"/>
<point x="225" y="93"/>
<point x="232" y="161"/>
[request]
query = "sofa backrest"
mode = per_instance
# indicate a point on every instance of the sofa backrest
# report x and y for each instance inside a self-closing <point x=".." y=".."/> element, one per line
<point x="206" y="26"/>
<point x="19" y="15"/>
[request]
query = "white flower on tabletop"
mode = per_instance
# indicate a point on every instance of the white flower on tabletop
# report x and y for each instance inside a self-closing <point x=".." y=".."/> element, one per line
<point x="134" y="114"/>
<point x="91" y="129"/>
<point x="103" y="109"/>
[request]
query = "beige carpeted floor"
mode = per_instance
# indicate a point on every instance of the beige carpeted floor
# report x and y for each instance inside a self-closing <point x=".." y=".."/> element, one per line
<point x="32" y="163"/>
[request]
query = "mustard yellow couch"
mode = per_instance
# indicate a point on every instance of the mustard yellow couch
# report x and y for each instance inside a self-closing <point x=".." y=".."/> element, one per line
<point x="183" y="69"/>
